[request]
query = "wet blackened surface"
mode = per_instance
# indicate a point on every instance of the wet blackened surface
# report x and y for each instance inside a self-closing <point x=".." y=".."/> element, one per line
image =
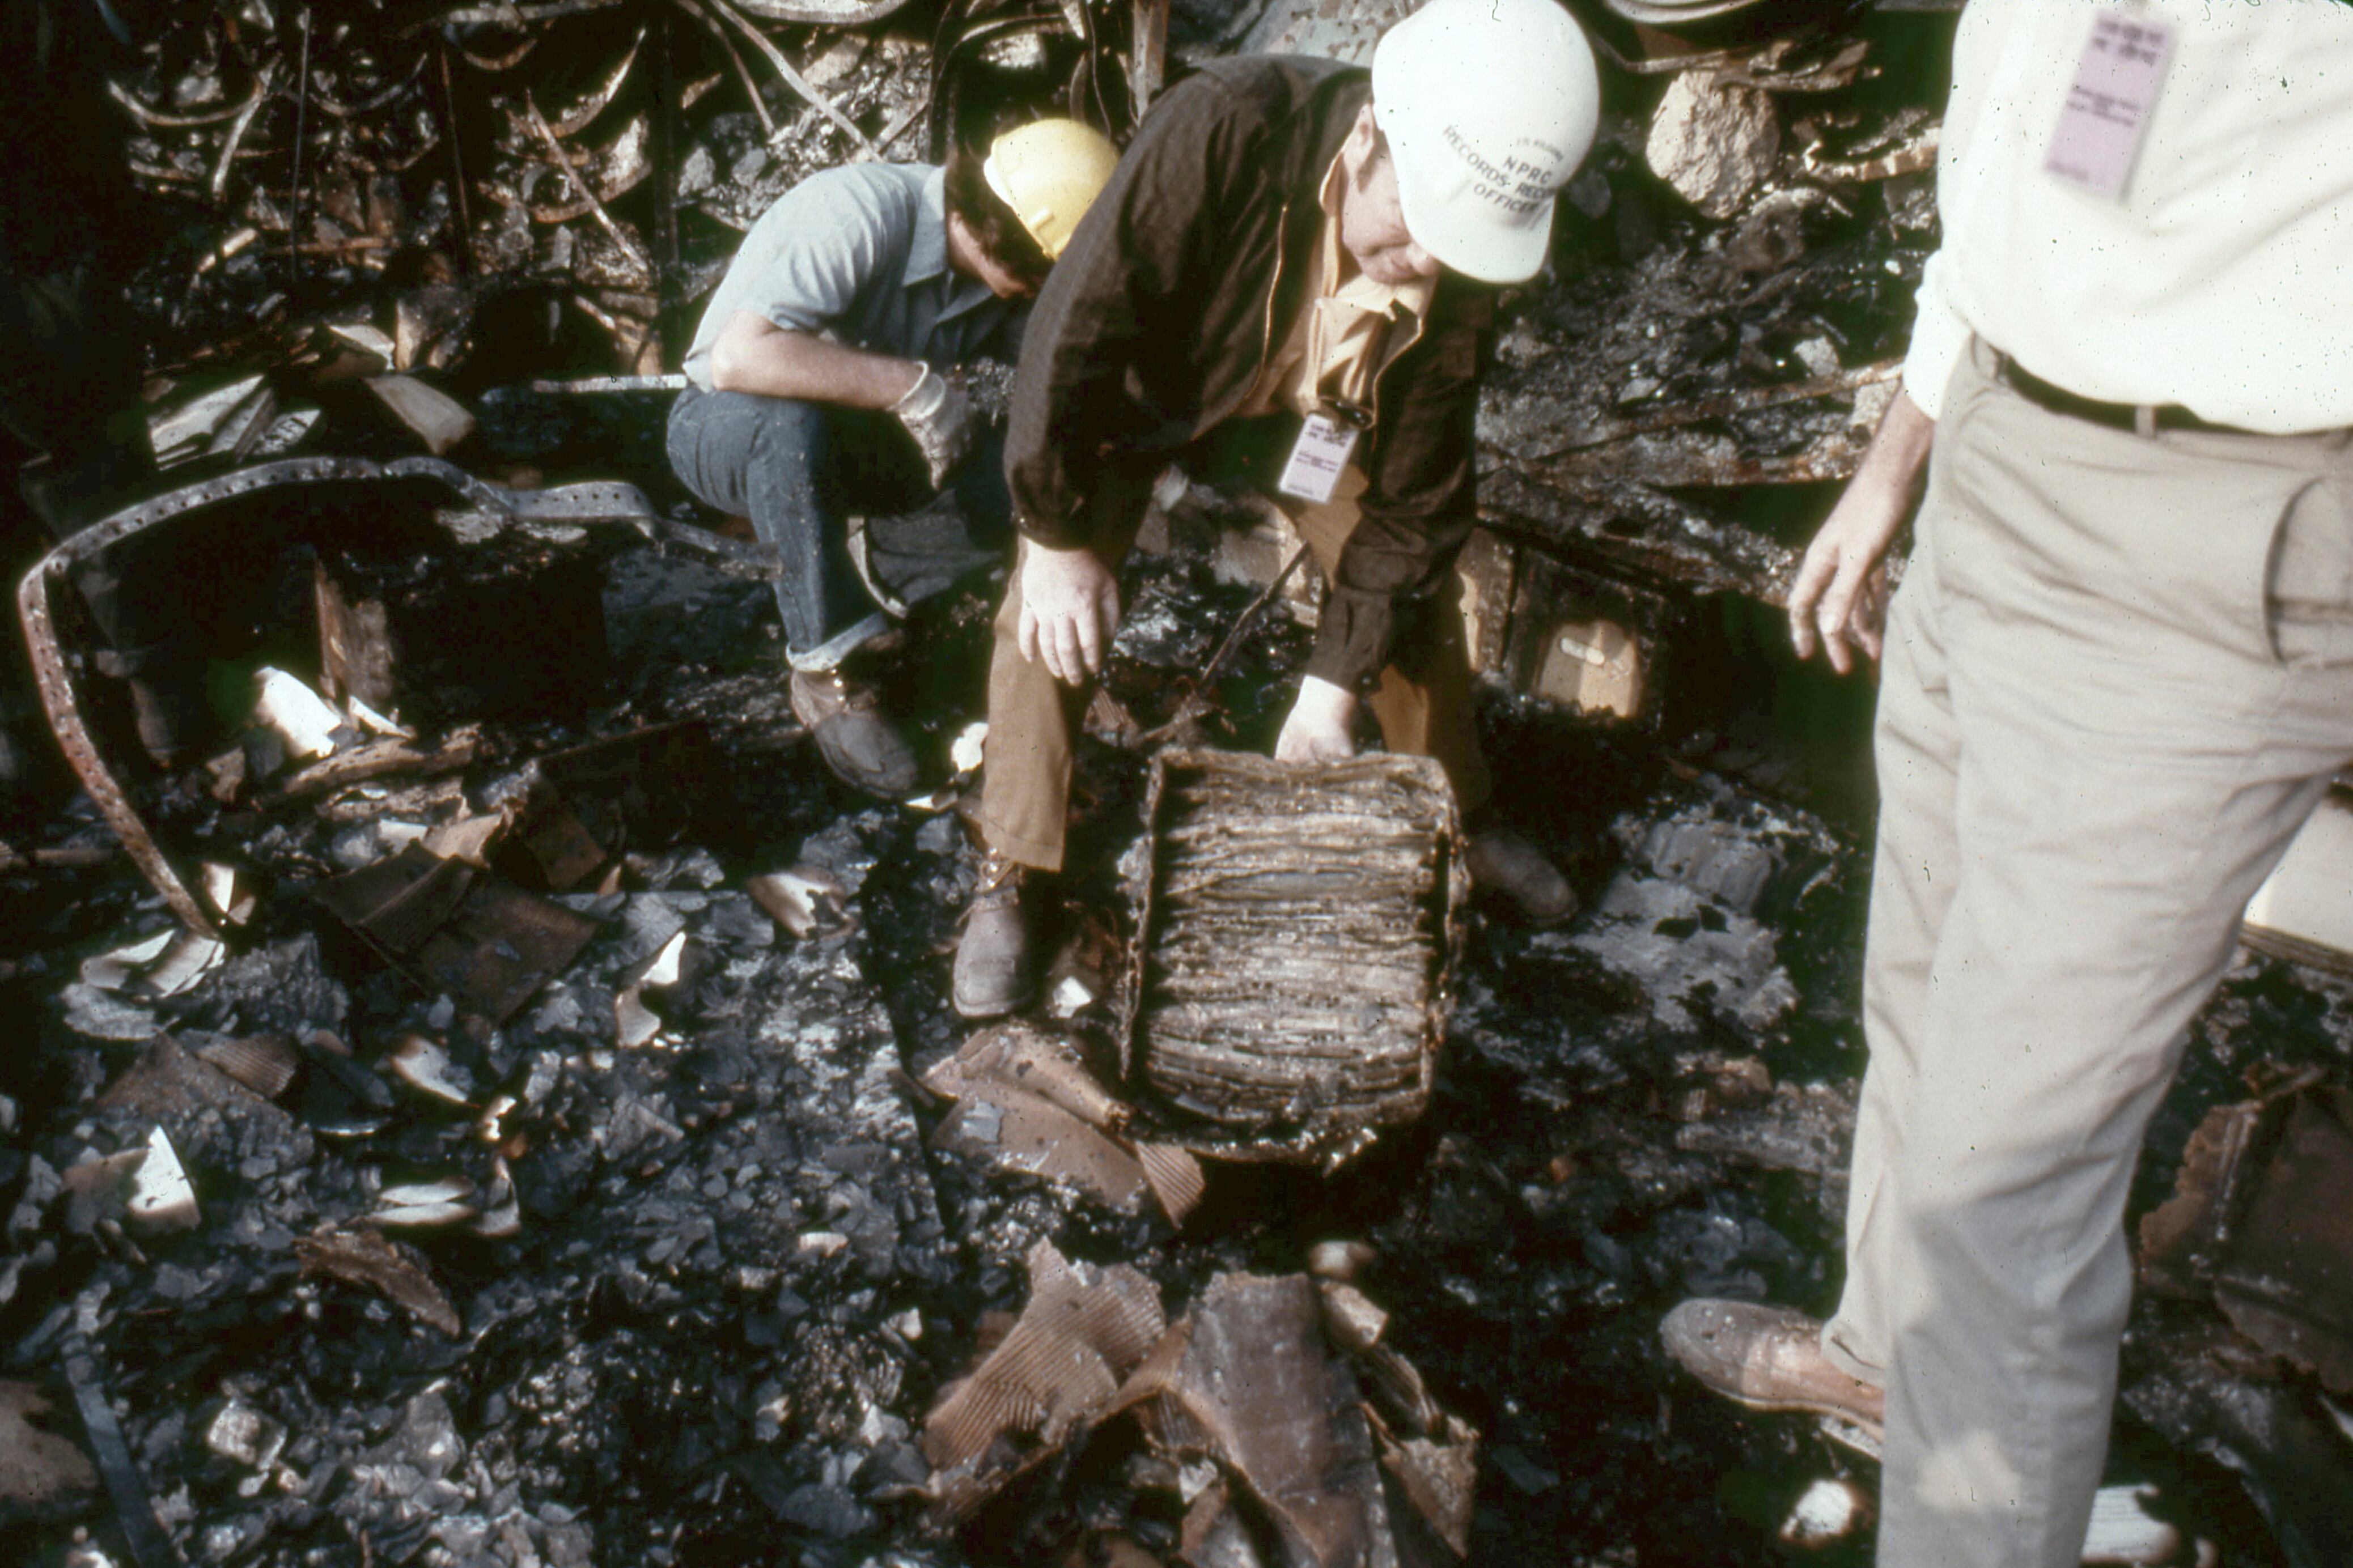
<point x="741" y="1278"/>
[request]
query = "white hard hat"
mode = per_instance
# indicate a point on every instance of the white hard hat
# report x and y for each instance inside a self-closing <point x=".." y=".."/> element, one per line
<point x="1488" y="107"/>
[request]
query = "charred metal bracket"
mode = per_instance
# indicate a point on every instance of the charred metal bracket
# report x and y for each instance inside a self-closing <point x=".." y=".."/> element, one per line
<point x="600" y="503"/>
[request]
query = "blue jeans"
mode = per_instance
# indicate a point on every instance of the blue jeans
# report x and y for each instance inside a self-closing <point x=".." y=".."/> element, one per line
<point x="797" y="471"/>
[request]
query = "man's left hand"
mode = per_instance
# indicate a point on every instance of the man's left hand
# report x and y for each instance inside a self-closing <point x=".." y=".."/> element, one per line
<point x="1070" y="608"/>
<point x="1321" y="728"/>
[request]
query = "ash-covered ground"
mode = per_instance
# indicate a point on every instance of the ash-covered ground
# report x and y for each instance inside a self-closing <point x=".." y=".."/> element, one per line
<point x="736" y="1276"/>
<point x="706" y="1287"/>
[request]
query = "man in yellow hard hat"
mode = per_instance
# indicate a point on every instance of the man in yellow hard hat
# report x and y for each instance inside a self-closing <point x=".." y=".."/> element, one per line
<point x="814" y="393"/>
<point x="1293" y="263"/>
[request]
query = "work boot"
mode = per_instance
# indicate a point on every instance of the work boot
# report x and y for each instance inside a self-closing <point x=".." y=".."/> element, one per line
<point x="994" y="961"/>
<point x="1768" y="1358"/>
<point x="1504" y="863"/>
<point x="858" y="743"/>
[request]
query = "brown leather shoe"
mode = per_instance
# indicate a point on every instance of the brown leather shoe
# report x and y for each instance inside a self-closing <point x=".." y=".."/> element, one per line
<point x="995" y="972"/>
<point x="1768" y="1358"/>
<point x="858" y="743"/>
<point x="1504" y="863"/>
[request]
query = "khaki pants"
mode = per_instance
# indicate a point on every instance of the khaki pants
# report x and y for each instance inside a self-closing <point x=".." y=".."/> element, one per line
<point x="1033" y="718"/>
<point x="2119" y="673"/>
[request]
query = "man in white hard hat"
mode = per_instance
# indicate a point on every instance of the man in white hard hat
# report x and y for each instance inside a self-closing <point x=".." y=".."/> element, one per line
<point x="2118" y="677"/>
<point x="1292" y="266"/>
<point x="815" y="389"/>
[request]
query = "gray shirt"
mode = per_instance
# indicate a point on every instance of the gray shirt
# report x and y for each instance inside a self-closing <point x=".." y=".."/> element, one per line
<point x="860" y="253"/>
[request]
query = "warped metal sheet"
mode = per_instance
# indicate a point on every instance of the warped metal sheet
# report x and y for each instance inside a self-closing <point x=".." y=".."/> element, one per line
<point x="1083" y="1332"/>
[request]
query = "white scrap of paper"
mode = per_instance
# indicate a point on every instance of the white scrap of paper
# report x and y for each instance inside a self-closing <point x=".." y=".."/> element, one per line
<point x="301" y="718"/>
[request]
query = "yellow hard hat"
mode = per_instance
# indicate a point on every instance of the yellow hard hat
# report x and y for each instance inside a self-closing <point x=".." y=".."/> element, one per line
<point x="1049" y="172"/>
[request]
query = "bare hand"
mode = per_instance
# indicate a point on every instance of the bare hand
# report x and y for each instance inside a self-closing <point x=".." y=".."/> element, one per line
<point x="1070" y="606"/>
<point x="1321" y="728"/>
<point x="1840" y="594"/>
<point x="1840" y="591"/>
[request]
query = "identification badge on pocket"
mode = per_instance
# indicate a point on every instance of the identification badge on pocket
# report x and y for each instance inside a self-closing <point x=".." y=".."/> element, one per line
<point x="1318" y="457"/>
<point x="2106" y="118"/>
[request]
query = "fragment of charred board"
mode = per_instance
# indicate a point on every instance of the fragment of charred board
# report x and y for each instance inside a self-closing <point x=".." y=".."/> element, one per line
<point x="2203" y="1389"/>
<point x="150" y="1547"/>
<point x="514" y="631"/>
<point x="455" y="931"/>
<point x="1296" y="932"/>
<point x="1613" y="499"/>
<point x="1627" y="528"/>
<point x="2262" y="1222"/>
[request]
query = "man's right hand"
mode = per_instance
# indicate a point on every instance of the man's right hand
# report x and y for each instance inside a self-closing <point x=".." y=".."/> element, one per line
<point x="1069" y="608"/>
<point x="1840" y="590"/>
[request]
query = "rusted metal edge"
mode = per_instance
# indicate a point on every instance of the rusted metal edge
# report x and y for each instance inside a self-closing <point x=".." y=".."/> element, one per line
<point x="582" y="504"/>
<point x="1455" y="889"/>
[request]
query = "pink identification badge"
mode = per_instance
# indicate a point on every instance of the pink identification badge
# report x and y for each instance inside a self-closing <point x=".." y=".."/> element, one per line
<point x="1316" y="458"/>
<point x="2107" y="111"/>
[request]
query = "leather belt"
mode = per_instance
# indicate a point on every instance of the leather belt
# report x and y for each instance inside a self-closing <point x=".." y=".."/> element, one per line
<point x="2140" y="418"/>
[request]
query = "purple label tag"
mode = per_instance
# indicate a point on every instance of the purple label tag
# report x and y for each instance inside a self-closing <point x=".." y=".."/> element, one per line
<point x="2100" y="131"/>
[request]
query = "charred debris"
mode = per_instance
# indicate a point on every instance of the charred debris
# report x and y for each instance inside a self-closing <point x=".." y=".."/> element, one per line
<point x="503" y="1108"/>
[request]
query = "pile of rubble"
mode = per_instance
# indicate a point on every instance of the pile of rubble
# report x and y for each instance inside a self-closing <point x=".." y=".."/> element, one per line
<point x="547" y="186"/>
<point x="505" y="1110"/>
<point x="677" y="1263"/>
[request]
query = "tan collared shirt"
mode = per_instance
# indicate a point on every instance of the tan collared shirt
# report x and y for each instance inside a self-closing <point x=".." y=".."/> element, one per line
<point x="1350" y="330"/>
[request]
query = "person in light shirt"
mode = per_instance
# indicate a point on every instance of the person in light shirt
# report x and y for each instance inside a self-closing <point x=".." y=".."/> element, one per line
<point x="815" y="401"/>
<point x="2117" y="677"/>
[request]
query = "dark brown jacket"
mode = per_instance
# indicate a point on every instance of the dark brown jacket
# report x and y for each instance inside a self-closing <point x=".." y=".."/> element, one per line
<point x="1158" y="320"/>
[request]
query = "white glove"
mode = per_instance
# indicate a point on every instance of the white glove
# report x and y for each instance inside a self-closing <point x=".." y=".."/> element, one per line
<point x="939" y="416"/>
